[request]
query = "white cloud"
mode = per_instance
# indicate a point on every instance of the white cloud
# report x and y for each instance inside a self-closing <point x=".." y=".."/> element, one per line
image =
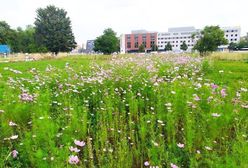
<point x="90" y="17"/>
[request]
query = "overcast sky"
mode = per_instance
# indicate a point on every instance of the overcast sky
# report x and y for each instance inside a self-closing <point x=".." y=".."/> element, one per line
<point x="90" y="17"/>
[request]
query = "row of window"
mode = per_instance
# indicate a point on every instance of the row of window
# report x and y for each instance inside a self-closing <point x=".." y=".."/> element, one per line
<point x="232" y="35"/>
<point x="169" y="34"/>
<point x="233" y="39"/>
<point x="231" y="31"/>
<point x="174" y="41"/>
<point x="168" y="38"/>
<point x="136" y="44"/>
<point x="162" y="46"/>
<point x="143" y="36"/>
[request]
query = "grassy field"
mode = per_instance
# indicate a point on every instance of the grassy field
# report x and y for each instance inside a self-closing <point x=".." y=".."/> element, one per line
<point x="125" y="111"/>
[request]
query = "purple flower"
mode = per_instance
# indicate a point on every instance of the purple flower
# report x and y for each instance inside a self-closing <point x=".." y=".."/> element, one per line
<point x="214" y="86"/>
<point x="173" y="165"/>
<point x="223" y="92"/>
<point x="14" y="153"/>
<point x="74" y="149"/>
<point x="196" y="98"/>
<point x="79" y="143"/>
<point x="26" y="97"/>
<point x="73" y="159"/>
<point x="180" y="145"/>
<point x="146" y="163"/>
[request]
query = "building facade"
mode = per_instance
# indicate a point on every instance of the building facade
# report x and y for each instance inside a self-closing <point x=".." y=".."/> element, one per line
<point x="232" y="34"/>
<point x="90" y="46"/>
<point x="137" y="38"/>
<point x="176" y="37"/>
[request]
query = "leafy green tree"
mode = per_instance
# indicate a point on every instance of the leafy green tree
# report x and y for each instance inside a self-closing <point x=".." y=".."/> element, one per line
<point x="211" y="38"/>
<point x="242" y="44"/>
<point x="107" y="43"/>
<point x="233" y="46"/>
<point x="154" y="47"/>
<point x="53" y="30"/>
<point x="6" y="33"/>
<point x="142" y="48"/>
<point x="168" y="47"/>
<point x="184" y="46"/>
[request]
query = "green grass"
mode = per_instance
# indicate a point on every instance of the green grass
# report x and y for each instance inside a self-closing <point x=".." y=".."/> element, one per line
<point x="128" y="110"/>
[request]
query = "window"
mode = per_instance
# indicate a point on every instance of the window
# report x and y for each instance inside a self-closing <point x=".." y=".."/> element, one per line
<point x="136" y="45"/>
<point x="152" y="43"/>
<point x="128" y="44"/>
<point x="144" y="43"/>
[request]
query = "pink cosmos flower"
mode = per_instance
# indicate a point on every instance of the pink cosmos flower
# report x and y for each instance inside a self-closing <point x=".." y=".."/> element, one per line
<point x="74" y="149"/>
<point x="223" y="92"/>
<point x="146" y="163"/>
<point x="173" y="165"/>
<point x="214" y="86"/>
<point x="180" y="145"/>
<point x="196" y="98"/>
<point x="79" y="143"/>
<point x="12" y="124"/>
<point x="73" y="159"/>
<point x="14" y="153"/>
<point x="26" y="97"/>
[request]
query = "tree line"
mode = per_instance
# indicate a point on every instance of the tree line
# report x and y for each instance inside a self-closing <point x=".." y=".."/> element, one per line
<point x="52" y="32"/>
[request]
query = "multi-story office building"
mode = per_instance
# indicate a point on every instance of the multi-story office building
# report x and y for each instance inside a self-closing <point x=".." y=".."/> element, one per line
<point x="176" y="37"/>
<point x="137" y="38"/>
<point x="232" y="34"/>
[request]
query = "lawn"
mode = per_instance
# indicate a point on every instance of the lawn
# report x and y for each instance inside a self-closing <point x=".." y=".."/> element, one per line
<point x="125" y="111"/>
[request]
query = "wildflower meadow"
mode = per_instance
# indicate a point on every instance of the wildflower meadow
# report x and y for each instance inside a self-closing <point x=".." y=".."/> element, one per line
<point x="130" y="111"/>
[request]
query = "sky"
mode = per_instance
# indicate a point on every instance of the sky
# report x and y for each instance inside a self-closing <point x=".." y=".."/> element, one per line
<point x="90" y="17"/>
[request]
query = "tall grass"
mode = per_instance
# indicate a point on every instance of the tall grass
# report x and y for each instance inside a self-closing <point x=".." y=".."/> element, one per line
<point x="131" y="111"/>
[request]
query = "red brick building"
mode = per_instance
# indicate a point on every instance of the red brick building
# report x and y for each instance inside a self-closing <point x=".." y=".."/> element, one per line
<point x="136" y="38"/>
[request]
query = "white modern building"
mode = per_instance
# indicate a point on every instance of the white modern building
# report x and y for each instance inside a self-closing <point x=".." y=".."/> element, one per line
<point x="232" y="34"/>
<point x="176" y="37"/>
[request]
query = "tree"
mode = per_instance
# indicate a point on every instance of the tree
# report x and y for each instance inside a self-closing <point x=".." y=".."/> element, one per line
<point x="154" y="47"/>
<point x="53" y="30"/>
<point x="184" y="46"/>
<point x="211" y="38"/>
<point x="242" y="44"/>
<point x="6" y="33"/>
<point x="233" y="46"/>
<point x="107" y="43"/>
<point x="168" y="47"/>
<point x="142" y="48"/>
